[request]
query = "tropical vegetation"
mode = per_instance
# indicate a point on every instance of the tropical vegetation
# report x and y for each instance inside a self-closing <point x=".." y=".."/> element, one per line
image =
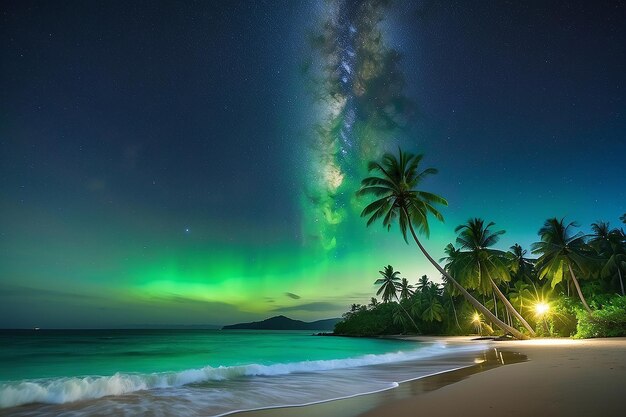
<point x="574" y="286"/>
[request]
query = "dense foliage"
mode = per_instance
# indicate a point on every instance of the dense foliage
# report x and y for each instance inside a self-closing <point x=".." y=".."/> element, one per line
<point x="607" y="322"/>
<point x="575" y="286"/>
<point x="438" y="309"/>
<point x="395" y="185"/>
<point x="369" y="321"/>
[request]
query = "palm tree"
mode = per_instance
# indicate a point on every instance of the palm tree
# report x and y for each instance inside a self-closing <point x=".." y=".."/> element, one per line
<point x="601" y="231"/>
<point x="610" y="246"/>
<point x="481" y="266"/>
<point x="406" y="289"/>
<point x="399" y="318"/>
<point x="433" y="309"/>
<point x="522" y="268"/>
<point x="355" y="308"/>
<point x="452" y="255"/>
<point x="448" y="304"/>
<point x="399" y="199"/>
<point x="427" y="301"/>
<point x="559" y="250"/>
<point x="389" y="284"/>
<point x="520" y="295"/>
<point x="422" y="283"/>
<point x="373" y="303"/>
<point x="623" y="218"/>
<point x="523" y="275"/>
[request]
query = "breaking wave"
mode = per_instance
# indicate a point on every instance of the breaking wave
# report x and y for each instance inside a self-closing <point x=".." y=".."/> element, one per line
<point x="70" y="389"/>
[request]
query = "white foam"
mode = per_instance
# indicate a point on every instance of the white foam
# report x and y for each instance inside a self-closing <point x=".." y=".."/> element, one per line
<point x="69" y="389"/>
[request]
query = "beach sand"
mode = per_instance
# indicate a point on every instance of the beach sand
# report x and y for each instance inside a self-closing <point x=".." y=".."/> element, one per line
<point x="561" y="377"/>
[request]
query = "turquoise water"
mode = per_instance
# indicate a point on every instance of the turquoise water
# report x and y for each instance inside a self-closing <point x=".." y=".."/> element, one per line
<point x="62" y="353"/>
<point x="200" y="372"/>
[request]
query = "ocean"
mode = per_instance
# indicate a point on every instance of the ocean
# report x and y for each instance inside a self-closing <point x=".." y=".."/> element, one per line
<point x="202" y="372"/>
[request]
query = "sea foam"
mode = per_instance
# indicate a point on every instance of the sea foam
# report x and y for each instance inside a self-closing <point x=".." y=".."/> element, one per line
<point x="70" y="389"/>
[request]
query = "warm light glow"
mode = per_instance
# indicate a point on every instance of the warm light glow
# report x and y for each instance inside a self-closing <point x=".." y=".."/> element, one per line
<point x="554" y="342"/>
<point x="476" y="318"/>
<point x="541" y="308"/>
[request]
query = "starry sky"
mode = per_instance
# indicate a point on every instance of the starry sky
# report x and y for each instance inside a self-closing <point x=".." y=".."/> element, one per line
<point x="167" y="163"/>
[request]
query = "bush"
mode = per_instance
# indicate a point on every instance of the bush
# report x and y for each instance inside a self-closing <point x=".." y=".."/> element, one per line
<point x="364" y="322"/>
<point x="562" y="319"/>
<point x="610" y="321"/>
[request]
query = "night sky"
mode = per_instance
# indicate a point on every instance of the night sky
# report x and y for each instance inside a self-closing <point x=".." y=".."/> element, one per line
<point x="196" y="162"/>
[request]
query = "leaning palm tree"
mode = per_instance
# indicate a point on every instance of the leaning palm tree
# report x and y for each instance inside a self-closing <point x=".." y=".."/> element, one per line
<point x="560" y="250"/>
<point x="609" y="244"/>
<point x="481" y="265"/>
<point x="389" y="284"/>
<point x="399" y="199"/>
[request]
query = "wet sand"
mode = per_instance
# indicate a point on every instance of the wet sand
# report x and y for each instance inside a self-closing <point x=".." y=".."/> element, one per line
<point x="560" y="377"/>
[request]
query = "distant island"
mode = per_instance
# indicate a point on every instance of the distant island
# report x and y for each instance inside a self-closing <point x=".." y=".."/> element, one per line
<point x="284" y="323"/>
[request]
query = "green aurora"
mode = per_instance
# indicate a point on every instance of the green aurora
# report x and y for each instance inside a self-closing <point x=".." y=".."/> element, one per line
<point x="174" y="228"/>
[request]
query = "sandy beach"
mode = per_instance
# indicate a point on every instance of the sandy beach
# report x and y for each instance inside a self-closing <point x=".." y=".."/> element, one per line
<point x="560" y="377"/>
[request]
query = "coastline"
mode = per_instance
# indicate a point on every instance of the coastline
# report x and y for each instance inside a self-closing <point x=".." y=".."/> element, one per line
<point x="561" y="377"/>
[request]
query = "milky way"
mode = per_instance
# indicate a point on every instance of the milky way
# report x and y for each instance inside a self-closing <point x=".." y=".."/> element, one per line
<point x="361" y="108"/>
<point x="347" y="61"/>
<point x="197" y="162"/>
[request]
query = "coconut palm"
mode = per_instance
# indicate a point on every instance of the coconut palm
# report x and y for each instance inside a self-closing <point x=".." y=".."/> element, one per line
<point x="427" y="301"/>
<point x="398" y="198"/>
<point x="389" y="284"/>
<point x="523" y="275"/>
<point x="451" y="263"/>
<point x="601" y="231"/>
<point x="431" y="302"/>
<point x="522" y="268"/>
<point x="406" y="289"/>
<point x="520" y="295"/>
<point x="481" y="266"/>
<point x="399" y="318"/>
<point x="448" y="303"/>
<point x="354" y="308"/>
<point x="609" y="244"/>
<point x="451" y="255"/>
<point x="422" y="283"/>
<point x="560" y="250"/>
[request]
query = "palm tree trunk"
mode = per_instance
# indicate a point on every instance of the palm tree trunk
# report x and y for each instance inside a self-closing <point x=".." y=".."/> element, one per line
<point x="621" y="283"/>
<point x="510" y="307"/>
<point x="506" y="328"/>
<point x="407" y="314"/>
<point x="495" y="304"/>
<point x="580" y="293"/>
<point x="456" y="318"/>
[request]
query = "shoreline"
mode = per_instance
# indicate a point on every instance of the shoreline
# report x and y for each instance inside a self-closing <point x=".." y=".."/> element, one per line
<point x="353" y="405"/>
<point x="561" y="377"/>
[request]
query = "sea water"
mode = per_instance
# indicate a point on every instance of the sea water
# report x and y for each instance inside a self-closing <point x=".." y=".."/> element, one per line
<point x="200" y="372"/>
